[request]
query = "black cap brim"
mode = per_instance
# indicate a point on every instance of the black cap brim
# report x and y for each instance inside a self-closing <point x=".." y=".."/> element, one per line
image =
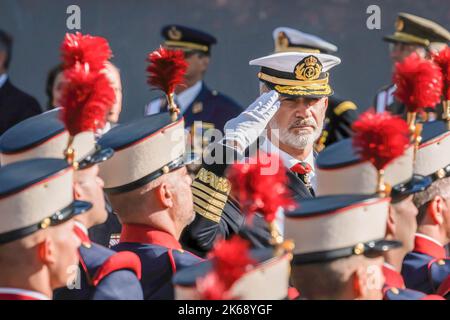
<point x="75" y="208"/>
<point x="369" y="249"/>
<point x="99" y="156"/>
<point x="417" y="183"/>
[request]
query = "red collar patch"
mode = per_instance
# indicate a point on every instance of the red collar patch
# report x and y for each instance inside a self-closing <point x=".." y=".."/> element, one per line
<point x="139" y="233"/>
<point x="393" y="278"/>
<point x="428" y="247"/>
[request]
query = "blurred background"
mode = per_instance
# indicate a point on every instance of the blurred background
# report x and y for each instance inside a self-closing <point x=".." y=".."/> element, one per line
<point x="243" y="28"/>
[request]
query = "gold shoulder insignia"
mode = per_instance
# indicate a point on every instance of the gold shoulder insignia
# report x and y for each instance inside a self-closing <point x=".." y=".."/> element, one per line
<point x="343" y="107"/>
<point x="210" y="194"/>
<point x="197" y="107"/>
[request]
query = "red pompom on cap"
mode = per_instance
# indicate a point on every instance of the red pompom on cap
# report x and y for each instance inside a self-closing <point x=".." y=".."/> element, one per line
<point x="380" y="138"/>
<point x="85" y="49"/>
<point x="260" y="185"/>
<point x="166" y="69"/>
<point x="419" y="83"/>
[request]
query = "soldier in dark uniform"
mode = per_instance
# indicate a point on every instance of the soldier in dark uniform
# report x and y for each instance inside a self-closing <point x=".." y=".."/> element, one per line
<point x="298" y="81"/>
<point x="339" y="246"/>
<point x="37" y="243"/>
<point x="149" y="188"/>
<point x="340" y="112"/>
<point x="104" y="274"/>
<point x="412" y="34"/>
<point x="427" y="266"/>
<point x="341" y="170"/>
<point x="201" y="107"/>
<point x="15" y="105"/>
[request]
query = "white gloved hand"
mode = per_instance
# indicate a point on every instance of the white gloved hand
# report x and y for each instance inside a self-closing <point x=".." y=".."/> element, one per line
<point x="242" y="131"/>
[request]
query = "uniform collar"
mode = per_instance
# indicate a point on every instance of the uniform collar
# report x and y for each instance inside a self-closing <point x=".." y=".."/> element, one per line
<point x="3" y="79"/>
<point x="82" y="233"/>
<point x="392" y="277"/>
<point x="187" y="97"/>
<point x="289" y="161"/>
<point x="429" y="246"/>
<point x="139" y="233"/>
<point x="21" y="294"/>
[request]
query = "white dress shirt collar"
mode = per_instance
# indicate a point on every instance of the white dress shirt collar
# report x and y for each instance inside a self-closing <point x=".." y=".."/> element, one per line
<point x="3" y="79"/>
<point x="24" y="293"/>
<point x="187" y="97"/>
<point x="289" y="161"/>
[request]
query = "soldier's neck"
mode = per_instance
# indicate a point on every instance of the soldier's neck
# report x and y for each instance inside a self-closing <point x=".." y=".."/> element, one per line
<point x="395" y="258"/>
<point x="434" y="232"/>
<point x="188" y="83"/>
<point x="28" y="280"/>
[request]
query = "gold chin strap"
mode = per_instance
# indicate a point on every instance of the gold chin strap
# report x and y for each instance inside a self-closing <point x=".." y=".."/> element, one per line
<point x="296" y="49"/>
<point x="188" y="45"/>
<point x="289" y="82"/>
<point x="409" y="37"/>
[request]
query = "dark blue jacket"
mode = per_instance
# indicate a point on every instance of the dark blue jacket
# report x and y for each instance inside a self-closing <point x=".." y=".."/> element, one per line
<point x="161" y="256"/>
<point x="104" y="274"/>
<point x="424" y="268"/>
<point x="210" y="107"/>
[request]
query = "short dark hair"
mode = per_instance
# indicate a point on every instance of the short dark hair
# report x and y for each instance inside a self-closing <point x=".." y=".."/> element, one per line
<point x="6" y="43"/>
<point x="51" y="77"/>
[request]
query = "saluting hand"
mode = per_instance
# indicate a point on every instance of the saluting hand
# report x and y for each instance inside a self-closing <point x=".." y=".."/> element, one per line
<point x="242" y="131"/>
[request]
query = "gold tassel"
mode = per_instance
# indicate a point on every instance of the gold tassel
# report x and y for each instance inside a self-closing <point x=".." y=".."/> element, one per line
<point x="173" y="109"/>
<point x="381" y="186"/>
<point x="411" y="120"/>
<point x="446" y="114"/>
<point x="69" y="153"/>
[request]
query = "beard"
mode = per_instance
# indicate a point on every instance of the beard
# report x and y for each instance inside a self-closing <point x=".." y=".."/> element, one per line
<point x="296" y="140"/>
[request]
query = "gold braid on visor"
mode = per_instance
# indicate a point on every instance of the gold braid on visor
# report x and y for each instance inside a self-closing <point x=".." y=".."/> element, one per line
<point x="298" y="87"/>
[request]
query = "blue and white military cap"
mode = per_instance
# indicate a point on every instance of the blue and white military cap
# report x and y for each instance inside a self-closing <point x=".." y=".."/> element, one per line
<point x="433" y="154"/>
<point x="34" y="195"/>
<point x="267" y="280"/>
<point x="291" y="40"/>
<point x="340" y="170"/>
<point x="333" y="227"/>
<point x="45" y="136"/>
<point x="144" y="150"/>
<point x="297" y="74"/>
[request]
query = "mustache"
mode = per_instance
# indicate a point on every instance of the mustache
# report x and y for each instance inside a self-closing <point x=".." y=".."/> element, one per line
<point x="304" y="122"/>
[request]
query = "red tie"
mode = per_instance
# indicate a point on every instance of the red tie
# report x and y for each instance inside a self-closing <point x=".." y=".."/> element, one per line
<point x="301" y="168"/>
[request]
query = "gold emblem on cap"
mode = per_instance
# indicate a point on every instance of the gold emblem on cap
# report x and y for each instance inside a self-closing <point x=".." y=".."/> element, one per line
<point x="395" y="291"/>
<point x="399" y="24"/>
<point x="440" y="174"/>
<point x="45" y="223"/>
<point x="197" y="107"/>
<point x="441" y="262"/>
<point x="308" y="69"/>
<point x="165" y="169"/>
<point x="282" y="41"/>
<point x="174" y="34"/>
<point x="358" y="249"/>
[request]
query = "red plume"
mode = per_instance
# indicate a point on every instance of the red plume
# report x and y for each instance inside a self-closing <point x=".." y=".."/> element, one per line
<point x="231" y="260"/>
<point x="86" y="99"/>
<point x="380" y="137"/>
<point x="211" y="287"/>
<point x="419" y="83"/>
<point x="260" y="185"/>
<point x="167" y="69"/>
<point x="442" y="59"/>
<point x="79" y="48"/>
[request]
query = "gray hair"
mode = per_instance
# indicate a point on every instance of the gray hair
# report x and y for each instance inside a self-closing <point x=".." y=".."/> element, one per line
<point x="440" y="187"/>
